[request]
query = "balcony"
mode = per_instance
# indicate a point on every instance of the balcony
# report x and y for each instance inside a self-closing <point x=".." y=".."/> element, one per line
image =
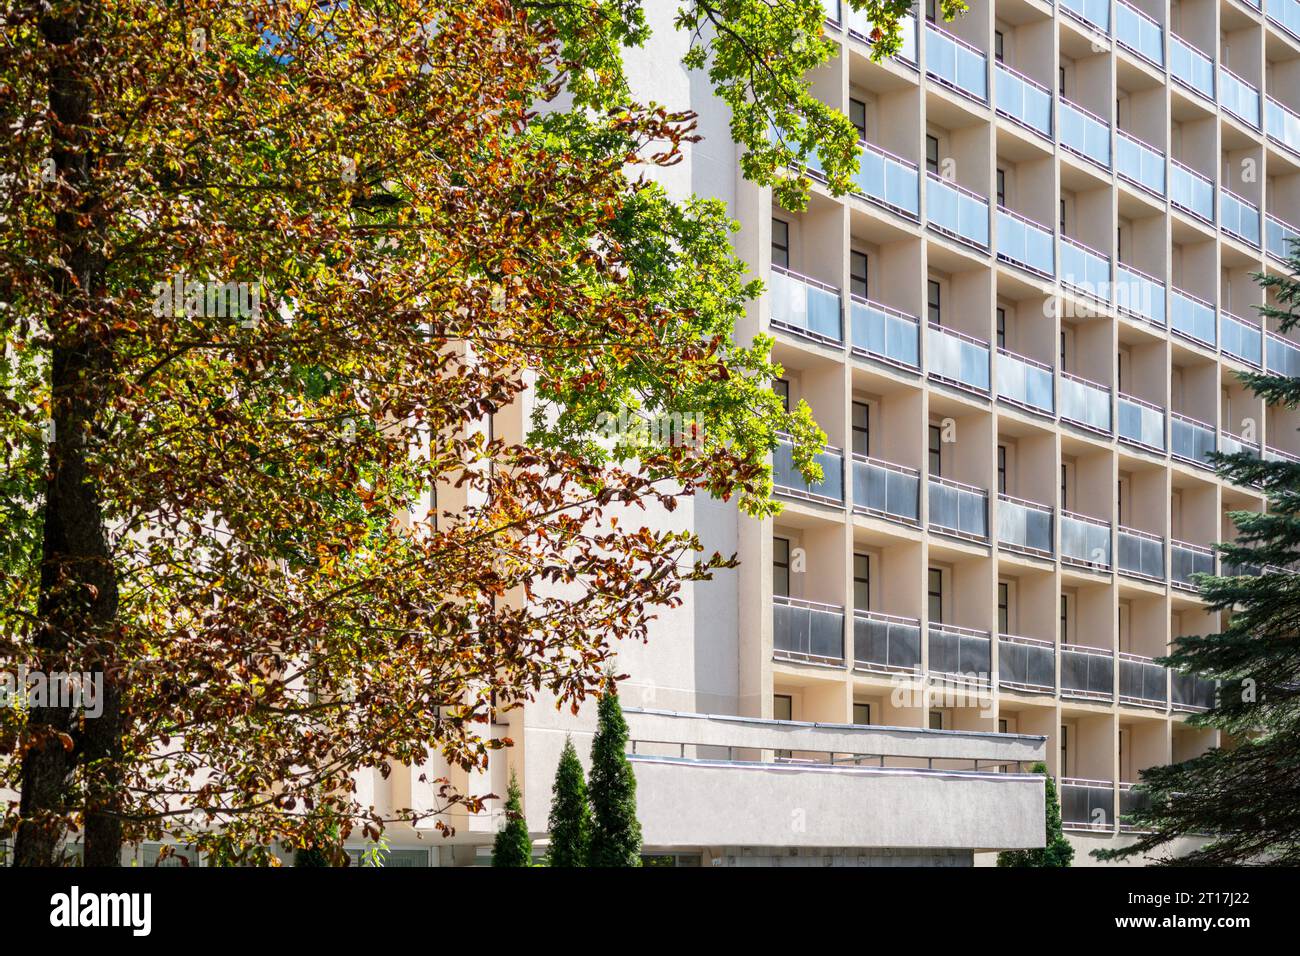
<point x="1087" y="804"/>
<point x="1085" y="541"/>
<point x="1142" y="681"/>
<point x="1131" y="801"/>
<point x="1025" y="526"/>
<point x="1087" y="672"/>
<point x="1239" y="217"/>
<point x="1279" y="238"/>
<point x="957" y="358"/>
<point x="1190" y="440"/>
<point x="805" y="306"/>
<point x="1085" y="269"/>
<point x="885" y="334"/>
<point x="889" y="180"/>
<point x="1241" y="339"/>
<point x="1141" y="554"/>
<point x="1026" y="663"/>
<point x="957" y="211"/>
<point x="1022" y="100"/>
<point x="886" y="490"/>
<point x="1187" y="560"/>
<point x="1025" y="243"/>
<point x="1085" y="403"/>
<point x="1139" y="164"/>
<point x="958" y="509"/>
<point x="1191" y="317"/>
<point x="1093" y="13"/>
<point x="956" y="63"/>
<point x="962" y="653"/>
<point x="1085" y="134"/>
<point x="807" y="632"/>
<point x="1191" y="192"/>
<point x="1281" y="124"/>
<point x="1139" y="33"/>
<point x="1238" y="97"/>
<point x="1140" y="294"/>
<point x="1141" y="423"/>
<point x="1025" y="382"/>
<point x="1230" y="444"/>
<point x="1284" y="13"/>
<point x="1190" y="67"/>
<point x="860" y="26"/>
<point x="885" y="643"/>
<point x="788" y="481"/>
<point x="1190" y="692"/>
<point x="1282" y="355"/>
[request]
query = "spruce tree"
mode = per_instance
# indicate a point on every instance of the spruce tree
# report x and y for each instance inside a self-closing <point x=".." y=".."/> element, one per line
<point x="1056" y="849"/>
<point x="570" y="820"/>
<point x="512" y="846"/>
<point x="616" y="834"/>
<point x="1243" y="800"/>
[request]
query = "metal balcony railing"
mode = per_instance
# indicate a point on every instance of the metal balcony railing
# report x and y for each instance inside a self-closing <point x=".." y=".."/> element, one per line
<point x="1238" y="97"/>
<point x="956" y="64"/>
<point x="1187" y="560"/>
<point x="1131" y="801"/>
<point x="1239" y="217"/>
<point x="1141" y="423"/>
<point x="1139" y="293"/>
<point x="805" y="306"/>
<point x="884" y="333"/>
<point x="956" y="211"/>
<point x="885" y="489"/>
<point x="1139" y="163"/>
<point x="1241" y="339"/>
<point x="1087" y="804"/>
<point x="1286" y="14"/>
<point x="1084" y="133"/>
<point x="1026" y="663"/>
<point x="1025" y="382"/>
<point x="888" y="179"/>
<point x="1141" y="554"/>
<point x="1190" y="67"/>
<point x="1280" y="238"/>
<point x="807" y="631"/>
<point x="1140" y="33"/>
<point x="1281" y="124"/>
<point x="1025" y="101"/>
<point x="886" y="643"/>
<point x="1025" y="525"/>
<point x="1190" y="692"/>
<point x="1094" y="13"/>
<point x="860" y="26"/>
<point x="957" y="358"/>
<point x="1230" y="444"/>
<point x="1281" y="354"/>
<point x="1190" y="191"/>
<point x="1087" y="672"/>
<point x="960" y="652"/>
<point x="1142" y="681"/>
<point x="1191" y="440"/>
<point x="958" y="509"/>
<point x="1085" y="269"/>
<point x="1085" y="541"/>
<point x="788" y="481"/>
<point x="1085" y="403"/>
<point x="1191" y="316"/>
<point x="1026" y="243"/>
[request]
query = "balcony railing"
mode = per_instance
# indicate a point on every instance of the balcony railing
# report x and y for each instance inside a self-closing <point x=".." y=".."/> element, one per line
<point x="885" y="489"/>
<point x="1087" y="804"/>
<point x="1142" y="681"/>
<point x="1141" y="423"/>
<point x="1025" y="242"/>
<point x="957" y="358"/>
<point x="1024" y="382"/>
<point x="1085" y="269"/>
<point x="1191" y="316"/>
<point x="1139" y="33"/>
<point x="1230" y="444"/>
<point x="957" y="211"/>
<point x="1131" y="801"/>
<point x="1187" y="559"/>
<point x="886" y="643"/>
<point x="889" y="180"/>
<point x="860" y="25"/>
<point x="1280" y="238"/>
<point x="788" y="480"/>
<point x="1139" y="163"/>
<point x="1085" y="403"/>
<point x="1282" y="355"/>
<point x="1026" y="663"/>
<point x="1274" y="454"/>
<point x="807" y="631"/>
<point x="956" y="63"/>
<point x="1084" y="133"/>
<point x="1238" y="97"/>
<point x="1095" y="13"/>
<point x="1285" y="13"/>
<point x="1191" y="692"/>
<point x="958" y="508"/>
<point x="1239" y="217"/>
<point x="1024" y="525"/>
<point x="1140" y="294"/>
<point x="883" y="333"/>
<point x="1241" y="339"/>
<point x="1141" y="554"/>
<point x="1023" y="100"/>
<point x="1085" y="541"/>
<point x="1190" y="67"/>
<point x="1191" y="440"/>
<point x="962" y="652"/>
<point x="1281" y="124"/>
<point x="805" y="306"/>
<point x="1190" y="191"/>
<point x="1087" y="672"/>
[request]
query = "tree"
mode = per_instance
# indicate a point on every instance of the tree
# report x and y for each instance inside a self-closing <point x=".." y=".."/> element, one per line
<point x="512" y="846"/>
<point x="1056" y="849"/>
<point x="1241" y="800"/>
<point x="615" y="831"/>
<point x="570" y="820"/>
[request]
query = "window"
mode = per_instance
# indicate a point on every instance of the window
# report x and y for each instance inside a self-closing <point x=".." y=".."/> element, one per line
<point x="935" y="595"/>
<point x="1002" y="469"/>
<point x="1061" y="81"/>
<point x="930" y="10"/>
<point x="1002" y="187"/>
<point x="1062" y="351"/>
<point x="858" y="274"/>
<point x="781" y="566"/>
<point x="861" y="713"/>
<point x="997" y="45"/>
<point x="1002" y="725"/>
<point x="780" y="243"/>
<point x="862" y="582"/>
<point x="933" y="304"/>
<point x="782" y="707"/>
<point x="1119" y="243"/>
<point x="936" y="720"/>
<point x="1065" y="750"/>
<point x="861" y="428"/>
<point x="1004" y="607"/>
<point x="782" y="388"/>
<point x="936" y="444"/>
<point x="1062" y="215"/>
<point x="932" y="154"/>
<point x="1065" y="619"/>
<point x="858" y="117"/>
<point x="1002" y="327"/>
<point x="1119" y="370"/>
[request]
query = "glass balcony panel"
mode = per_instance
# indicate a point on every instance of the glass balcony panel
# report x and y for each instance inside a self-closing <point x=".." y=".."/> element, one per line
<point x="807" y="630"/>
<point x="1084" y="133"/>
<point x="1094" y="12"/>
<point x="1242" y="339"/>
<point x="1238" y="97"/>
<point x="957" y="211"/>
<point x="1191" y="191"/>
<point x="960" y="651"/>
<point x="955" y="63"/>
<point x="1139" y="294"/>
<point x="1191" y="692"/>
<point x="1286" y="13"/>
<point x="1087" y="672"/>
<point x="1025" y="243"/>
<point x="1087" y="804"/>
<point x="1280" y="238"/>
<point x="885" y="333"/>
<point x="1281" y="124"/>
<point x="1191" y="316"/>
<point x="957" y="358"/>
<point x="1141" y="423"/>
<point x="886" y="643"/>
<point x="1139" y="33"/>
<point x="860" y="24"/>
<point x="1236" y="445"/>
<point x="886" y="489"/>
<point x="1023" y="100"/>
<point x="958" y="509"/>
<point x="1026" y="663"/>
<point x="1141" y="554"/>
<point x="888" y="179"/>
<point x="1190" y="66"/>
<point x="1085" y="540"/>
<point x="1139" y="163"/>
<point x="1024" y="525"/>
<point x="1239" y="217"/>
<point x="1085" y="403"/>
<point x="1190" y="440"/>
<point x="1186" y="560"/>
<point x="1283" y="355"/>
<point x="1024" y="382"/>
<point x="786" y="477"/>
<point x="1142" y="681"/>
<point x="1085" y="269"/>
<point x="804" y="305"/>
